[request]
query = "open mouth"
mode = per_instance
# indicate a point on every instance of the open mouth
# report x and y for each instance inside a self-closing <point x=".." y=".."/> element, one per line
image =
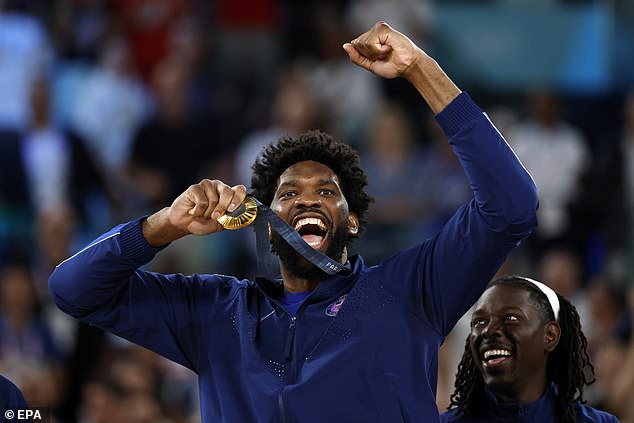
<point x="495" y="357"/>
<point x="312" y="230"/>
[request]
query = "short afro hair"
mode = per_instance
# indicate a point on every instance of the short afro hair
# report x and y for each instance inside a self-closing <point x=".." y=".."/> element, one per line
<point x="322" y="148"/>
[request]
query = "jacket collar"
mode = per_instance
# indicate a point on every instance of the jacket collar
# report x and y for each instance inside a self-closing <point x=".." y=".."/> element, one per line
<point x="330" y="286"/>
<point x="496" y="410"/>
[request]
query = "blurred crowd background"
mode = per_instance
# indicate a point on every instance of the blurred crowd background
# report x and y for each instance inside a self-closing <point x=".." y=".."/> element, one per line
<point x="110" y="108"/>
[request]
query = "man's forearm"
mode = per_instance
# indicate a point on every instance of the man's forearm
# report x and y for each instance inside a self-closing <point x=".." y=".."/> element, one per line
<point x="432" y="83"/>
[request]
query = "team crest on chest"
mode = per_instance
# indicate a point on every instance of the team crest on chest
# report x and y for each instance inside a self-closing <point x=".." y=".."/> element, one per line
<point x="333" y="308"/>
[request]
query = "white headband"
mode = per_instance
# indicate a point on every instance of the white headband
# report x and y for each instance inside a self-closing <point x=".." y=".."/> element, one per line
<point x="550" y="294"/>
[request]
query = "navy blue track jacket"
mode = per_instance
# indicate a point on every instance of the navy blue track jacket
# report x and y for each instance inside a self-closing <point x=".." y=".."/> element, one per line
<point x="11" y="398"/>
<point x="362" y="348"/>
<point x="544" y="410"/>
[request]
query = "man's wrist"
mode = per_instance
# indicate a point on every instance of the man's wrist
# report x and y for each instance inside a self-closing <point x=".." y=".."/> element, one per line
<point x="158" y="231"/>
<point x="419" y="67"/>
<point x="432" y="83"/>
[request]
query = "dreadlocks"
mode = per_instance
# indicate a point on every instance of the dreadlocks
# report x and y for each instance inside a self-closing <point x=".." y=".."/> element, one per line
<point x="322" y="148"/>
<point x="569" y="367"/>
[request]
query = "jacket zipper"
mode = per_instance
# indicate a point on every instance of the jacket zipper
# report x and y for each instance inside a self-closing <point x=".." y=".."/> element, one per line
<point x="280" y="403"/>
<point x="291" y="352"/>
<point x="290" y="341"/>
<point x="289" y="356"/>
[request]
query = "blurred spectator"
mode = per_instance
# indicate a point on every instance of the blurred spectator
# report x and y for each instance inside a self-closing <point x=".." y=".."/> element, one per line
<point x="294" y="110"/>
<point x="301" y="31"/>
<point x="610" y="368"/>
<point x="111" y="106"/>
<point x="169" y="151"/>
<point x="147" y="25"/>
<point x="27" y="352"/>
<point x="24" y="40"/>
<point x="391" y="157"/>
<point x="25" y="52"/>
<point x="349" y="95"/>
<point x="62" y="178"/>
<point x="557" y="157"/>
<point x="613" y="190"/>
<point x="427" y="202"/>
<point x="563" y="272"/>
<point x="16" y="217"/>
<point x="176" y="386"/>
<point x="134" y="376"/>
<point x="124" y="390"/>
<point x="187" y="41"/>
<point x="102" y="403"/>
<point x="615" y="369"/>
<point x="606" y="302"/>
<point x="142" y="408"/>
<point x="210" y="95"/>
<point x="248" y="26"/>
<point x="46" y="153"/>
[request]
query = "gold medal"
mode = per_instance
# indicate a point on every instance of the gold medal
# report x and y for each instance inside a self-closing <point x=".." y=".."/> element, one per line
<point x="242" y="216"/>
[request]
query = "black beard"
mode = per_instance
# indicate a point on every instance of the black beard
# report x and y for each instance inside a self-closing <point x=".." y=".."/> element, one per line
<point x="301" y="268"/>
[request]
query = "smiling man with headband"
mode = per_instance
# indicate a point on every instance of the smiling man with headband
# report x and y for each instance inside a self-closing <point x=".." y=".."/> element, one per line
<point x="525" y="359"/>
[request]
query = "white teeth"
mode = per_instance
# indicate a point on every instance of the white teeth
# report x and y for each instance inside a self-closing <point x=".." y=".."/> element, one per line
<point x="489" y="353"/>
<point x="310" y="221"/>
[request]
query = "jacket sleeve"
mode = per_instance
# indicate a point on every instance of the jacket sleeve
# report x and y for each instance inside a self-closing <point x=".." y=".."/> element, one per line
<point x="451" y="270"/>
<point x="103" y="286"/>
<point x="10" y="396"/>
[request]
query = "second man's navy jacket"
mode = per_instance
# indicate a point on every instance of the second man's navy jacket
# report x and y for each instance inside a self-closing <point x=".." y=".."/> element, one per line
<point x="488" y="409"/>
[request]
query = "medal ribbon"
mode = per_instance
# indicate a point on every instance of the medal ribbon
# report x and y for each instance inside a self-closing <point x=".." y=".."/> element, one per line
<point x="266" y="217"/>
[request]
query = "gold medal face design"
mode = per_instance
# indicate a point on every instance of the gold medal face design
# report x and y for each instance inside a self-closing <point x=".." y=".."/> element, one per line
<point x="242" y="216"/>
